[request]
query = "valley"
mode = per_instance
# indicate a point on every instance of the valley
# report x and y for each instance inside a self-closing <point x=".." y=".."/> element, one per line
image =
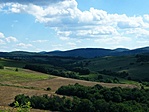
<point x="36" y="74"/>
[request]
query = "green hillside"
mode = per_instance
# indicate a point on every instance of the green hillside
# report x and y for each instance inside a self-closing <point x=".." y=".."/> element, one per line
<point x="134" y="67"/>
<point x="16" y="75"/>
<point x="129" y="64"/>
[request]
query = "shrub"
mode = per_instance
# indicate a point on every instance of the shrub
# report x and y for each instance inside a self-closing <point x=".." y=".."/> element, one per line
<point x="16" y="70"/>
<point x="48" y="89"/>
<point x="1" y="67"/>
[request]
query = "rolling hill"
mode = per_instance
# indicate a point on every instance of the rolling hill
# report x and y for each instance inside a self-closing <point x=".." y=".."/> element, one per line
<point x="81" y="52"/>
<point x="94" y="60"/>
<point x="97" y="52"/>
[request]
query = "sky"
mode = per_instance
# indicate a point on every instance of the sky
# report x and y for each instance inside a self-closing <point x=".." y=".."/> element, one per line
<point x="48" y="25"/>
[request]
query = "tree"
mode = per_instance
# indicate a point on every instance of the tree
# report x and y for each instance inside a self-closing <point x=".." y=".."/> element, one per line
<point x="85" y="105"/>
<point x="16" y="70"/>
<point x="1" y="67"/>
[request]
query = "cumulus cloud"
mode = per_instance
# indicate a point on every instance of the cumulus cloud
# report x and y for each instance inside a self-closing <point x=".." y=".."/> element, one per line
<point x="7" y="39"/>
<point x="37" y="2"/>
<point x="23" y="45"/>
<point x="7" y="43"/>
<point x="70" y="22"/>
<point x="131" y="22"/>
<point x="1" y="35"/>
<point x="114" y="40"/>
<point x="40" y="41"/>
<point x="2" y="41"/>
<point x="71" y="44"/>
<point x="11" y="39"/>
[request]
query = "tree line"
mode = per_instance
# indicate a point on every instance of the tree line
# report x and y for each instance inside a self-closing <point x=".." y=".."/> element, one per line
<point x="91" y="99"/>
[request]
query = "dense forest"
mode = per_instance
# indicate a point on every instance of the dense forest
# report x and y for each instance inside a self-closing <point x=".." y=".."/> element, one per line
<point x="91" y="99"/>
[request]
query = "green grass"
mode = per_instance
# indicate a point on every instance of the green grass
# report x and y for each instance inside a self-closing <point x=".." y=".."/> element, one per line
<point x="121" y="63"/>
<point x="12" y="63"/>
<point x="22" y="75"/>
<point x="113" y="63"/>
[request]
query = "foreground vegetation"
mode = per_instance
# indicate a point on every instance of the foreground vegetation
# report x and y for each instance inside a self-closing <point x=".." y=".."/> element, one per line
<point x="91" y="99"/>
<point x="16" y="75"/>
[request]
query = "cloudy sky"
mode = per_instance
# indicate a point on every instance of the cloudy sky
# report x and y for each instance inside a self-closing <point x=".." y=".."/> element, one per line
<point x="47" y="25"/>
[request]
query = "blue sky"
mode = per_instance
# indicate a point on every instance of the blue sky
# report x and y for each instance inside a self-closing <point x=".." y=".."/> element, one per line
<point x="48" y="25"/>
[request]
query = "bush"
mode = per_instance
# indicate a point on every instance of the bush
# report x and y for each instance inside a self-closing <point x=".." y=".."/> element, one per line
<point x="48" y="89"/>
<point x="1" y="67"/>
<point x="16" y="70"/>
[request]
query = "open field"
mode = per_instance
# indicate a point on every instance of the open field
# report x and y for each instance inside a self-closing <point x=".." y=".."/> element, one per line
<point x="55" y="83"/>
<point x="31" y="83"/>
<point x="9" y="74"/>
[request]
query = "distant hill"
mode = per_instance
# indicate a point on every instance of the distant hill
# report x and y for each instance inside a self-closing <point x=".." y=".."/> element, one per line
<point x="121" y="49"/>
<point x="98" y="52"/>
<point x="82" y="52"/>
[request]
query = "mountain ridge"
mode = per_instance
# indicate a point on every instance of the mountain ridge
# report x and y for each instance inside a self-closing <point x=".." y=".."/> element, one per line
<point x="98" y="52"/>
<point x="81" y="52"/>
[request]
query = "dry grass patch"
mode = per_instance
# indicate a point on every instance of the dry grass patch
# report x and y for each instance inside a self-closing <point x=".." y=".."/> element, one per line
<point x="55" y="83"/>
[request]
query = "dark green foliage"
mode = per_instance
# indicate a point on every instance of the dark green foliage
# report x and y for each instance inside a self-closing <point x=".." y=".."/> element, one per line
<point x="1" y="67"/>
<point x="22" y="99"/>
<point x="51" y="70"/>
<point x="91" y="99"/>
<point x="54" y="103"/>
<point x="85" y="105"/>
<point x="110" y="100"/>
<point x="99" y="77"/>
<point x="48" y="89"/>
<point x="142" y="58"/>
<point x="81" y="70"/>
<point x="116" y="80"/>
<point x="116" y="74"/>
<point x="145" y="83"/>
<point x="16" y="69"/>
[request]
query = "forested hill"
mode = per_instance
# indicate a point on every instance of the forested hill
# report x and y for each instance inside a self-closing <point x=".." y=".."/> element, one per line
<point x="82" y="52"/>
<point x="97" y="52"/>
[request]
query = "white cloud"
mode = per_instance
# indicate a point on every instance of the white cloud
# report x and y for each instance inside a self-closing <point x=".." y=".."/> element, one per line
<point x="2" y="42"/>
<point x="37" y="2"/>
<point x="138" y="33"/>
<point x="11" y="39"/>
<point x="146" y="17"/>
<point x="1" y="35"/>
<point x="64" y="38"/>
<point x="4" y="39"/>
<point x="40" y="41"/>
<point x="71" y="44"/>
<point x="70" y="22"/>
<point x="114" y="40"/>
<point x="23" y="45"/>
<point x="143" y="42"/>
<point x="131" y="22"/>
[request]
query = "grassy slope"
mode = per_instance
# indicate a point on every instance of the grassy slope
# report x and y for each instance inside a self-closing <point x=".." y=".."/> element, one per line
<point x="12" y="63"/>
<point x="123" y="63"/>
<point x="22" y="75"/>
